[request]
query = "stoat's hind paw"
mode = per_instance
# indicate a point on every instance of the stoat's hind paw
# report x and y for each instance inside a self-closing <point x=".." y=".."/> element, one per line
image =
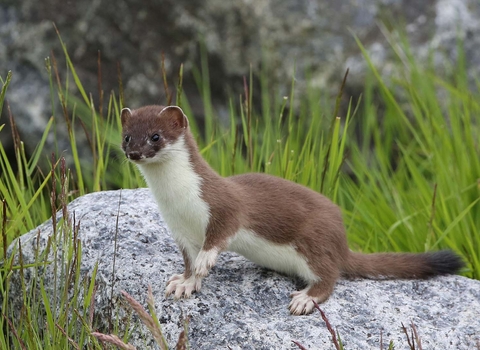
<point x="180" y="286"/>
<point x="302" y="303"/>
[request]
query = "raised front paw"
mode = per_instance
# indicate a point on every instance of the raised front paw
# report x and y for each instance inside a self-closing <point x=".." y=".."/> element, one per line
<point x="181" y="286"/>
<point x="205" y="261"/>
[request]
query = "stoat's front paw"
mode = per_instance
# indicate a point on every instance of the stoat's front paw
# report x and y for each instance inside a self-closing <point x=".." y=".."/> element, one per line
<point x="205" y="261"/>
<point x="181" y="286"/>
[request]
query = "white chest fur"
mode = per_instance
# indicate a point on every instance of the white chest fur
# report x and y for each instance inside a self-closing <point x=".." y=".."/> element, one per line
<point x="177" y="190"/>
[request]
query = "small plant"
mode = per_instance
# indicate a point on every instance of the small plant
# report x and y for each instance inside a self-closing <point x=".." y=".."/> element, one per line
<point x="150" y="321"/>
<point x="336" y="341"/>
<point x="413" y="338"/>
<point x="49" y="316"/>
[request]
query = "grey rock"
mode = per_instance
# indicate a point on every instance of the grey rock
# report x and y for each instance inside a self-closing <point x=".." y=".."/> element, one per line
<point x="309" y="35"/>
<point x="242" y="305"/>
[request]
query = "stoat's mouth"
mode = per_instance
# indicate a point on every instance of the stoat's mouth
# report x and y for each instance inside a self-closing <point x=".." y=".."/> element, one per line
<point x="145" y="160"/>
<point x="135" y="158"/>
<point x="139" y="161"/>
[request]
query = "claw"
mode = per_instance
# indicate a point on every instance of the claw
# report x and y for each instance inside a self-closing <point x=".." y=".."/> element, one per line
<point x="182" y="287"/>
<point x="174" y="278"/>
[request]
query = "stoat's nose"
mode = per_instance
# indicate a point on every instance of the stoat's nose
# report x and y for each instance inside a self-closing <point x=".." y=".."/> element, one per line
<point x="134" y="155"/>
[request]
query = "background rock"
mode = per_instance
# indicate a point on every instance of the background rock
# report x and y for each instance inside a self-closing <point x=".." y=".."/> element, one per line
<point x="245" y="306"/>
<point x="309" y="35"/>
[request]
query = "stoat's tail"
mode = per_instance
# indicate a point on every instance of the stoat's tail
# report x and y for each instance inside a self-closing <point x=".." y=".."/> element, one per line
<point x="402" y="265"/>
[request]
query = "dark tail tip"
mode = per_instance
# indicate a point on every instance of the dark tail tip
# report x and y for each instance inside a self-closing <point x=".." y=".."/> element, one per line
<point x="444" y="262"/>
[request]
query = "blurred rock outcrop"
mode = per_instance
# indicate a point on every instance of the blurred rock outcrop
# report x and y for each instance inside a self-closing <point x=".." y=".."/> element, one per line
<point x="306" y="34"/>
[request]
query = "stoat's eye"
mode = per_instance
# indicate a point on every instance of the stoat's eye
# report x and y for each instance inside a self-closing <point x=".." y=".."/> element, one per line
<point x="155" y="137"/>
<point x="127" y="138"/>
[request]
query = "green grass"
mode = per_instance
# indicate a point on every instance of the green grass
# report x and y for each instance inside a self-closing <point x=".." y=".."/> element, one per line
<point x="403" y="162"/>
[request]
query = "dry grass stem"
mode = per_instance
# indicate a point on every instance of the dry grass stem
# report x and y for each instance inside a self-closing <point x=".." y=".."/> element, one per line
<point x="300" y="346"/>
<point x="329" y="326"/>
<point x="74" y="344"/>
<point x="417" y="338"/>
<point x="146" y="319"/>
<point x="113" y="339"/>
<point x="182" y="343"/>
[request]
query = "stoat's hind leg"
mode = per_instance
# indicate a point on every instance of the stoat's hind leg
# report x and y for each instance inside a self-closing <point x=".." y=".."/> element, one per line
<point x="181" y="286"/>
<point x="302" y="301"/>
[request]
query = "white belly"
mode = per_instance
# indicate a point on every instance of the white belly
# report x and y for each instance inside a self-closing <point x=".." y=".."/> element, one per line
<point x="278" y="257"/>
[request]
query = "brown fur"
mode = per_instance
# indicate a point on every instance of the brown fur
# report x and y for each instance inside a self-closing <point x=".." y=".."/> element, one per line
<point x="147" y="124"/>
<point x="280" y="211"/>
<point x="225" y="204"/>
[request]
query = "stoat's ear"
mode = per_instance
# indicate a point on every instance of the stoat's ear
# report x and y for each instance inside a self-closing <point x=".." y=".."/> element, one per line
<point x="125" y="115"/>
<point x="175" y="117"/>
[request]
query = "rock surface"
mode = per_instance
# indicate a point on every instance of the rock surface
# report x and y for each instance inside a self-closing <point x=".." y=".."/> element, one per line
<point x="284" y="34"/>
<point x="244" y="306"/>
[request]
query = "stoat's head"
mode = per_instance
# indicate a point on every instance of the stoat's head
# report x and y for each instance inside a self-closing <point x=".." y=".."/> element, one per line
<point x="152" y="133"/>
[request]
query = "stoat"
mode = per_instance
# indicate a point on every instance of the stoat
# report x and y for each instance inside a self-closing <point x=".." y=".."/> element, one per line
<point x="271" y="221"/>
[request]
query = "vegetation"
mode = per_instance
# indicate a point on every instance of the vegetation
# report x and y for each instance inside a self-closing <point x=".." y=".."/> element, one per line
<point x="403" y="162"/>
